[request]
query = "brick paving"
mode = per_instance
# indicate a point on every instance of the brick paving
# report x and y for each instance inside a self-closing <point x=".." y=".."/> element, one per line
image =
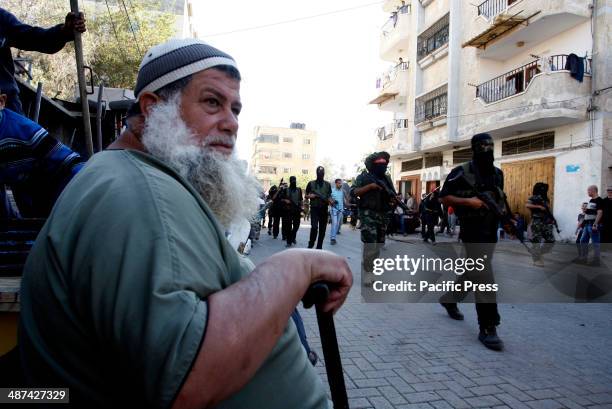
<point x="412" y="356"/>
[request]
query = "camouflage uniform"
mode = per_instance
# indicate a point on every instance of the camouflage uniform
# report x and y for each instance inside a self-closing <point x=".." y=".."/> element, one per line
<point x="541" y="228"/>
<point x="374" y="213"/>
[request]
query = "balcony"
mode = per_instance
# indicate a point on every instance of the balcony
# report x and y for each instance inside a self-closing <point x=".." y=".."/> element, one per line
<point x="395" y="35"/>
<point x="517" y="81"/>
<point x="390" y="6"/>
<point x="392" y="88"/>
<point x="534" y="97"/>
<point x="491" y="8"/>
<point x="393" y="136"/>
<point x="502" y="24"/>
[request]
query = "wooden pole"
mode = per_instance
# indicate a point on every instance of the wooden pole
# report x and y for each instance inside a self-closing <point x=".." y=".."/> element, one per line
<point x="78" y="49"/>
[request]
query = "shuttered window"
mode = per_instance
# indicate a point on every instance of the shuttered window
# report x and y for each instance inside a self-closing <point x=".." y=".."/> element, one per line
<point x="533" y="143"/>
<point x="433" y="160"/>
<point x="461" y="156"/>
<point x="414" y="164"/>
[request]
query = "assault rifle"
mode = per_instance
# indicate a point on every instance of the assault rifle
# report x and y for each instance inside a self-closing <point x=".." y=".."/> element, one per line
<point x="549" y="214"/>
<point x="389" y="190"/>
<point x="503" y="214"/>
<point x="324" y="200"/>
<point x="292" y="203"/>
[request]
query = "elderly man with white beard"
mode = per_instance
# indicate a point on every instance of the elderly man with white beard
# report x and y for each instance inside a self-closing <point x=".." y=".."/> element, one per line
<point x="133" y="297"/>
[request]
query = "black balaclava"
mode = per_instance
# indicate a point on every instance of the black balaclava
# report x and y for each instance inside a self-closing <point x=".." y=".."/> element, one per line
<point x="541" y="189"/>
<point x="482" y="153"/>
<point x="292" y="182"/>
<point x="320" y="174"/>
<point x="377" y="162"/>
<point x="379" y="169"/>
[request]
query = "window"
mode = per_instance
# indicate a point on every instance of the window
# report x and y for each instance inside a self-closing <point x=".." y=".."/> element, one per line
<point x="433" y="38"/>
<point x="286" y="170"/>
<point x="287" y="155"/>
<point x="433" y="160"/>
<point x="306" y="141"/>
<point x="305" y="156"/>
<point x="288" y="139"/>
<point x="533" y="143"/>
<point x="304" y="171"/>
<point x="414" y="164"/>
<point x="462" y="156"/>
<point x="267" y="138"/>
<point x="430" y="105"/>
<point x="271" y="170"/>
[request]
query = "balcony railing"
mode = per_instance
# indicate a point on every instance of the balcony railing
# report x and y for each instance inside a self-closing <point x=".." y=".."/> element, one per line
<point x="516" y="81"/>
<point x="491" y="8"/>
<point x="390" y="75"/>
<point x="392" y="21"/>
<point x="386" y="132"/>
<point x="431" y="105"/>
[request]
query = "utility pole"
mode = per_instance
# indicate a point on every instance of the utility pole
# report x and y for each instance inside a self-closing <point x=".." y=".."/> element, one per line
<point x="78" y="49"/>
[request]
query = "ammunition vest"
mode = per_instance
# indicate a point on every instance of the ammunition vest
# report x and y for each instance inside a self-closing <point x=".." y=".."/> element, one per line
<point x="474" y="187"/>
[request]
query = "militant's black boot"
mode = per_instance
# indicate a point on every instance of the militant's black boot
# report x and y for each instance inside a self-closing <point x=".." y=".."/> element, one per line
<point x="488" y="337"/>
<point x="453" y="311"/>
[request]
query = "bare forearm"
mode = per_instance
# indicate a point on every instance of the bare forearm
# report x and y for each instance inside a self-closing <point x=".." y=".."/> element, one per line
<point x="598" y="217"/>
<point x="362" y="190"/>
<point x="455" y="201"/>
<point x="245" y="321"/>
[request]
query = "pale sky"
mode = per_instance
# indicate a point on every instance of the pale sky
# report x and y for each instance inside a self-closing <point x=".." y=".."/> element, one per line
<point x="320" y="71"/>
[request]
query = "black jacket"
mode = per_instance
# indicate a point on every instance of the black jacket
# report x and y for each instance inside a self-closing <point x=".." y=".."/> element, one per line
<point x="575" y="65"/>
<point x="14" y="33"/>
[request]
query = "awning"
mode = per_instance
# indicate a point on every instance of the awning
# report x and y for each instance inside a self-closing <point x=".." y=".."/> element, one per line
<point x="385" y="96"/>
<point x="500" y="25"/>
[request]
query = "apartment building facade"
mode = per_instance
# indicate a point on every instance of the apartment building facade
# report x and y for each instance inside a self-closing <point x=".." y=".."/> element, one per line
<point x="282" y="152"/>
<point x="531" y="73"/>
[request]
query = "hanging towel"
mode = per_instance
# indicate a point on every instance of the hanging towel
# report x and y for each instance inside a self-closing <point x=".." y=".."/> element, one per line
<point x="575" y="65"/>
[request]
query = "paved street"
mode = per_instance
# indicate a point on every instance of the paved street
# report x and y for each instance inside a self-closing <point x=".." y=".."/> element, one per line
<point x="414" y="356"/>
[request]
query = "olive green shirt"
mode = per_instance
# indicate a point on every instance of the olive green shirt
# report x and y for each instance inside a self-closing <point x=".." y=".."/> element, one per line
<point x="114" y="293"/>
<point x="323" y="190"/>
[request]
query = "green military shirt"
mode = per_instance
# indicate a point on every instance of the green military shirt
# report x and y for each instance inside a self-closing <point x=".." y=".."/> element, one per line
<point x="323" y="189"/>
<point x="114" y="294"/>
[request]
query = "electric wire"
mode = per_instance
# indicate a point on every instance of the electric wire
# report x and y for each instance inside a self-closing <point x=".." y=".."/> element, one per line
<point x="293" y="20"/>
<point x="110" y="16"/>
<point x="131" y="27"/>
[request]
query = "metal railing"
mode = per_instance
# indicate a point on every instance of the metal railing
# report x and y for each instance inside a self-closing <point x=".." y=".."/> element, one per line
<point x="391" y="23"/>
<point x="516" y="81"/>
<point x="491" y="8"/>
<point x="386" y="132"/>
<point x="390" y="75"/>
<point x="559" y="63"/>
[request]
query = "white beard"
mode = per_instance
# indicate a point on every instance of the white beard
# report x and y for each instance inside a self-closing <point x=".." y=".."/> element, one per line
<point x="221" y="180"/>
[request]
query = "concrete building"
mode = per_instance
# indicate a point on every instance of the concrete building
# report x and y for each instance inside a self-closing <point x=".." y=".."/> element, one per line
<point x="500" y="66"/>
<point x="283" y="152"/>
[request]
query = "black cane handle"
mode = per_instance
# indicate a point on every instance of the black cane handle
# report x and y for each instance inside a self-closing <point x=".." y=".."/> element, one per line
<point x="317" y="293"/>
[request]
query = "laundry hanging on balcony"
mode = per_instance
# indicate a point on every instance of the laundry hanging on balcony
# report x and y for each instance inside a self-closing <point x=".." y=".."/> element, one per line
<point x="575" y="65"/>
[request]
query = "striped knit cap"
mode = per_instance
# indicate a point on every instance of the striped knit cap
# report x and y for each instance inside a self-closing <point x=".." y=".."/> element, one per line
<point x="175" y="59"/>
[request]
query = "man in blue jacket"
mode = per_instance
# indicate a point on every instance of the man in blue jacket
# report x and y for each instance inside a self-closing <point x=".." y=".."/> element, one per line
<point x="35" y="165"/>
<point x="14" y="33"/>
